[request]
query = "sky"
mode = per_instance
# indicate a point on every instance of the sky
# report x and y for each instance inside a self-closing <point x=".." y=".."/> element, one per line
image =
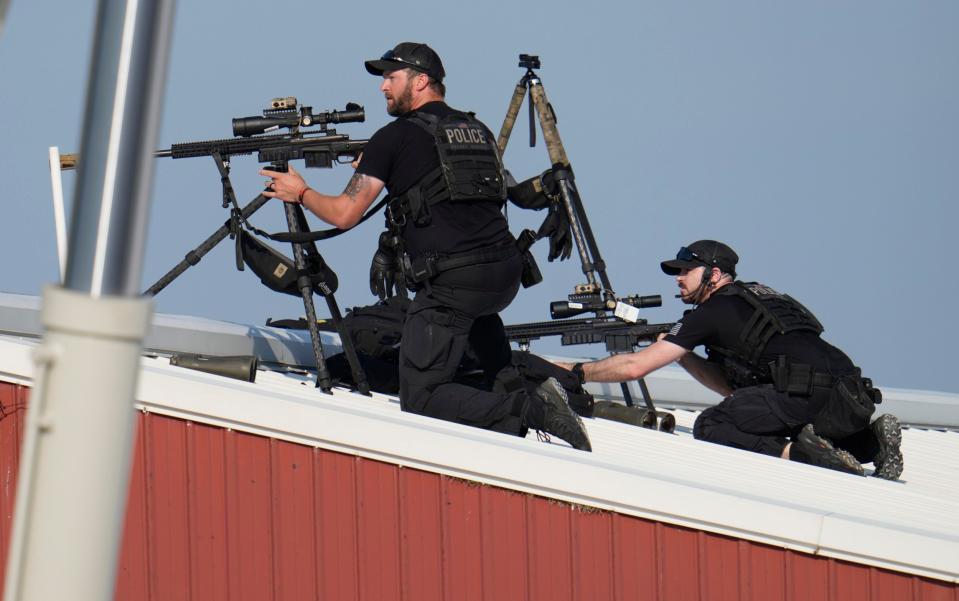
<point x="819" y="139"/>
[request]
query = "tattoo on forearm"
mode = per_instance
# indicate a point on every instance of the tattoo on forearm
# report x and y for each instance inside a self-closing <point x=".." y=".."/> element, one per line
<point x="356" y="184"/>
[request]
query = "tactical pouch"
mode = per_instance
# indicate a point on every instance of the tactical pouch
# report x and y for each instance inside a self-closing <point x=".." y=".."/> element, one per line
<point x="529" y="194"/>
<point x="419" y="269"/>
<point x="531" y="274"/>
<point x="873" y="392"/>
<point x="418" y="207"/>
<point x="278" y="272"/>
<point x="847" y="409"/>
<point x="429" y="340"/>
<point x="791" y="378"/>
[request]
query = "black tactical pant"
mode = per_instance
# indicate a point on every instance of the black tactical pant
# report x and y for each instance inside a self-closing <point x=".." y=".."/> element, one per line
<point x="460" y="310"/>
<point x="760" y="419"/>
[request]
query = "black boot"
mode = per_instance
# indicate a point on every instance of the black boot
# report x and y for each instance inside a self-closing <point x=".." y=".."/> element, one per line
<point x="810" y="448"/>
<point x="558" y="419"/>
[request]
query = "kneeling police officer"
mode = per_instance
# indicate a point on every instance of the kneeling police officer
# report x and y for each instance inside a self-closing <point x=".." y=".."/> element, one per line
<point x="788" y="392"/>
<point x="447" y="188"/>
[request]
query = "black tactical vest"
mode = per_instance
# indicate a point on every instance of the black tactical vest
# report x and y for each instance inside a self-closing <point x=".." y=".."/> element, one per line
<point x="470" y="167"/>
<point x="773" y="313"/>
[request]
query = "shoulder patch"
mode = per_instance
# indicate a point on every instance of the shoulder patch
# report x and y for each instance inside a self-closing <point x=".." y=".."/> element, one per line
<point x="674" y="331"/>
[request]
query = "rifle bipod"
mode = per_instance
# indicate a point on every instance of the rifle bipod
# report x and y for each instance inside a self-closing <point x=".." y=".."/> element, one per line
<point x="304" y="255"/>
<point x="592" y="263"/>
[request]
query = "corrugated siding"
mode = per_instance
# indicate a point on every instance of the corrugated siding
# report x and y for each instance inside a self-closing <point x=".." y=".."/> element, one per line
<point x="13" y="411"/>
<point x="218" y="514"/>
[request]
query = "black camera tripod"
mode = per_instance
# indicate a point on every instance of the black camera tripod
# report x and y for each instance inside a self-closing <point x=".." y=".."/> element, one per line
<point x="308" y="262"/>
<point x="593" y="266"/>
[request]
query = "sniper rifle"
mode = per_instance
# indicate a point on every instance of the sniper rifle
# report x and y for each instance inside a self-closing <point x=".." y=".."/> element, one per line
<point x="317" y="148"/>
<point x="320" y="148"/>
<point x="617" y="335"/>
<point x="620" y="333"/>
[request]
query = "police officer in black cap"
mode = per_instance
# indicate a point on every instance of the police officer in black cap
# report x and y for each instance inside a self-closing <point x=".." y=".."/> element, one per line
<point x="788" y="392"/>
<point x="447" y="187"/>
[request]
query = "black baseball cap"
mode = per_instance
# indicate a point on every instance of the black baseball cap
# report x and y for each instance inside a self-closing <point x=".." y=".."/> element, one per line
<point x="708" y="253"/>
<point x="409" y="55"/>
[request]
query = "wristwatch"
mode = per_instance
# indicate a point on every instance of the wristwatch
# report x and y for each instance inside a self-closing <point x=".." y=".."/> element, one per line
<point x="578" y="370"/>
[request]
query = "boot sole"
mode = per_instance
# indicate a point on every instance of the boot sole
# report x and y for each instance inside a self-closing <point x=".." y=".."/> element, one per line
<point x="845" y="462"/>
<point x="554" y="385"/>
<point x="888" y="463"/>
<point x="832" y="458"/>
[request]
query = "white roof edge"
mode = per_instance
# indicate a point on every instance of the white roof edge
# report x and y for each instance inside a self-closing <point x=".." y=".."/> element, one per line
<point x="20" y="316"/>
<point x="671" y="491"/>
<point x="672" y="386"/>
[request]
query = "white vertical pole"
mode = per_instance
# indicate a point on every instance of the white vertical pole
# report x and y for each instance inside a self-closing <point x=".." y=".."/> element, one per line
<point x="78" y="441"/>
<point x="4" y="4"/>
<point x="59" y="212"/>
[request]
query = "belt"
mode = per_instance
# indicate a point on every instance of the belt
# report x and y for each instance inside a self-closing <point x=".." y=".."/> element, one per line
<point x="426" y="267"/>
<point x="798" y="378"/>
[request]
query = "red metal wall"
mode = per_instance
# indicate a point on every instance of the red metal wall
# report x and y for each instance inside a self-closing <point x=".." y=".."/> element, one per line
<point x="217" y="514"/>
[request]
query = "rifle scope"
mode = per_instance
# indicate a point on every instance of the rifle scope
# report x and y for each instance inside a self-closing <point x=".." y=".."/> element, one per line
<point x="584" y="303"/>
<point x="275" y="118"/>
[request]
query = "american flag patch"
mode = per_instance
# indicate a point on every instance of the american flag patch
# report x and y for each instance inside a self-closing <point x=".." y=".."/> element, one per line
<point x="675" y="329"/>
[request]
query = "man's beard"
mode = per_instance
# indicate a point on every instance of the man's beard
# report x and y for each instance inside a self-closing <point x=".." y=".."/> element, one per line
<point x="402" y="103"/>
<point x="695" y="296"/>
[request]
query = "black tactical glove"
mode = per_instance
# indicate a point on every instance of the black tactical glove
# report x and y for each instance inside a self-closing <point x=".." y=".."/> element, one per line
<point x="548" y="183"/>
<point x="556" y="226"/>
<point x="383" y="268"/>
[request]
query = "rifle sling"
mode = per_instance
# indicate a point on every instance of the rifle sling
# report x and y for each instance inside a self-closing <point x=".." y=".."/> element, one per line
<point x="307" y="236"/>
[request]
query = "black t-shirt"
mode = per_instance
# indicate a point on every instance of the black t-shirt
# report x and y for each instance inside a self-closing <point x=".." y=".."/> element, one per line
<point x="400" y="154"/>
<point x="720" y="320"/>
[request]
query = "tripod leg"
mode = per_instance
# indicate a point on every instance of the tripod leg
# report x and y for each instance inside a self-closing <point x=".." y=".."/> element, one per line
<point x="557" y="156"/>
<point x="193" y="257"/>
<point x="547" y="122"/>
<point x="512" y="111"/>
<point x="349" y="349"/>
<point x="310" y="251"/>
<point x="598" y="263"/>
<point x="585" y="260"/>
<point x="647" y="398"/>
<point x="582" y="232"/>
<point x="305" y="284"/>
<point x="627" y="397"/>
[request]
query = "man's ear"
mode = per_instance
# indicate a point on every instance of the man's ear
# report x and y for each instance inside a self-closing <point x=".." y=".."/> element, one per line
<point x="421" y="83"/>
